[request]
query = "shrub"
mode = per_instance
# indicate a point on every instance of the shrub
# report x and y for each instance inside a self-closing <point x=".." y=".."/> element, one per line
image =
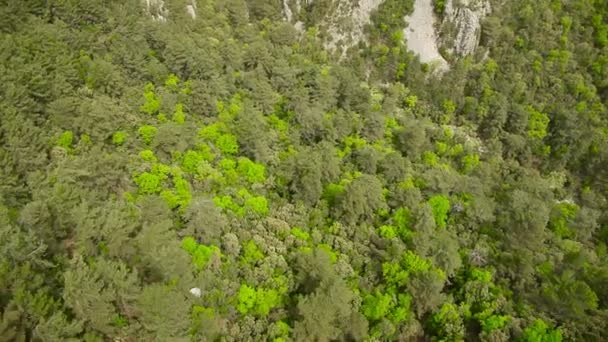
<point x="147" y="133"/>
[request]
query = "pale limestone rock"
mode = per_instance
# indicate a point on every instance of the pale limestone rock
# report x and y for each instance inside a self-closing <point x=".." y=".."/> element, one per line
<point x="191" y="9"/>
<point x="466" y="17"/>
<point x="287" y="13"/>
<point x="421" y="36"/>
<point x="196" y="292"/>
<point x="344" y="23"/>
<point x="157" y="10"/>
<point x="346" y="28"/>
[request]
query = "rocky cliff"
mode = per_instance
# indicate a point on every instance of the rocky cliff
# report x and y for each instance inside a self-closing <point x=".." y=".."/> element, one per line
<point x="421" y="36"/>
<point x="461" y="25"/>
<point x="342" y="23"/>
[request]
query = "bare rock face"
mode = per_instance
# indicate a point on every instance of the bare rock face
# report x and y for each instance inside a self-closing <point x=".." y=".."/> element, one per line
<point x="433" y="40"/>
<point x="345" y="28"/>
<point x="191" y="9"/>
<point x="157" y="10"/>
<point x="421" y="36"/>
<point x="343" y="23"/>
<point x="287" y="12"/>
<point x="464" y="18"/>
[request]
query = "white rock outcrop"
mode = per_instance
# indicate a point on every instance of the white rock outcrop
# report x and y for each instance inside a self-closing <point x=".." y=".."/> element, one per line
<point x="196" y="292"/>
<point x="346" y="27"/>
<point x="287" y="12"/>
<point x="465" y="17"/>
<point x="421" y="36"/>
<point x="191" y="9"/>
<point x="157" y="10"/>
<point x="344" y="24"/>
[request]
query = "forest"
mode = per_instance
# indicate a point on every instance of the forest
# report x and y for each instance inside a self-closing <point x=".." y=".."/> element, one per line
<point x="225" y="176"/>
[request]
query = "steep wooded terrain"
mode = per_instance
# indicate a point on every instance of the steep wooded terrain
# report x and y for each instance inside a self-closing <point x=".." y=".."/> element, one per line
<point x="207" y="170"/>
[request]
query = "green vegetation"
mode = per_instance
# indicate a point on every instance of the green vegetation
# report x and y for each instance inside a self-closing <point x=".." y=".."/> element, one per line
<point x="147" y="133"/>
<point x="229" y="178"/>
<point x="65" y="140"/>
<point x="119" y="138"/>
<point x="257" y="301"/>
<point x="200" y="253"/>
<point x="440" y="205"/>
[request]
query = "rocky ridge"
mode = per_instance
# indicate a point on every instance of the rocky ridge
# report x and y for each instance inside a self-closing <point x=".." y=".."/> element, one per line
<point x="463" y="22"/>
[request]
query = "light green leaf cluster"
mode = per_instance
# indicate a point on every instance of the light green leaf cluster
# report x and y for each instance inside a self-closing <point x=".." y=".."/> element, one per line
<point x="253" y="172"/>
<point x="119" y="138"/>
<point x="440" y="205"/>
<point x="200" y="253"/>
<point x="172" y="81"/>
<point x="227" y="203"/>
<point x="65" y="140"/>
<point x="148" y="183"/>
<point x="180" y="197"/>
<point x="148" y="156"/>
<point x="257" y="301"/>
<point x="228" y="112"/>
<point x="561" y="216"/>
<point x="257" y="204"/>
<point x="448" y="323"/>
<point x="538" y="122"/>
<point x="402" y="220"/>
<point x="152" y="101"/>
<point x="300" y="234"/>
<point x="397" y="273"/>
<point x="540" y="331"/>
<point x="178" y="115"/>
<point x="219" y="134"/>
<point x="351" y="142"/>
<point x="147" y="133"/>
<point x="251" y="252"/>
<point x="191" y="160"/>
<point x="469" y="162"/>
<point x="387" y="232"/>
<point x="227" y="144"/>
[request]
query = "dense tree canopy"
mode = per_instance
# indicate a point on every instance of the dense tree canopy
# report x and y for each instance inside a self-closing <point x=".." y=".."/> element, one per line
<point x="229" y="178"/>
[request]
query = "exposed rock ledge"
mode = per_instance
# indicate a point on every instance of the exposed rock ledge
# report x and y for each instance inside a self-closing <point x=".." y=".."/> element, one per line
<point x="463" y="25"/>
<point x="421" y="37"/>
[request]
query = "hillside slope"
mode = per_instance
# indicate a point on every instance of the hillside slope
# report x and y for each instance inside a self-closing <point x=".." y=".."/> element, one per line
<point x="209" y="171"/>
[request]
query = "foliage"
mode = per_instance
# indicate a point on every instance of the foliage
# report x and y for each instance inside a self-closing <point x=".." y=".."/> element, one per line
<point x="395" y="307"/>
<point x="257" y="204"/>
<point x="449" y="323"/>
<point x="300" y="234"/>
<point x="147" y="133"/>
<point x="440" y="206"/>
<point x="65" y="140"/>
<point x="227" y="144"/>
<point x="152" y="102"/>
<point x="148" y="156"/>
<point x="201" y="254"/>
<point x="402" y="219"/>
<point x="439" y="6"/>
<point x="540" y="331"/>
<point x="148" y="183"/>
<point x="537" y="124"/>
<point x="469" y="162"/>
<point x="560" y="218"/>
<point x="257" y="301"/>
<point x="253" y="172"/>
<point x="178" y="115"/>
<point x="226" y="176"/>
<point x="119" y="138"/>
<point x="251" y="252"/>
